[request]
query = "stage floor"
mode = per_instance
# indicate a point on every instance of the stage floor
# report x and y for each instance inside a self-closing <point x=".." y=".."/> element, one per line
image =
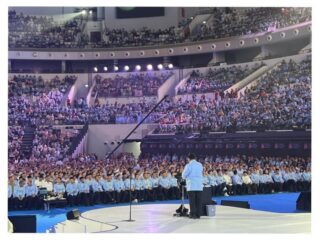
<point x="158" y="218"/>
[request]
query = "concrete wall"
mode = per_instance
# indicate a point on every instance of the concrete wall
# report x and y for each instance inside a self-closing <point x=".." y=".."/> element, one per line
<point x="169" y="19"/>
<point x="167" y="88"/>
<point x="99" y="134"/>
<point x="132" y="147"/>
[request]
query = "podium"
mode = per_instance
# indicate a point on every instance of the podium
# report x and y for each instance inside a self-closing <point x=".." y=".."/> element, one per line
<point x="206" y="200"/>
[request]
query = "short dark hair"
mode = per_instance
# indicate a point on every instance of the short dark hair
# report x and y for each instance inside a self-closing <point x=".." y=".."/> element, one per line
<point x="191" y="156"/>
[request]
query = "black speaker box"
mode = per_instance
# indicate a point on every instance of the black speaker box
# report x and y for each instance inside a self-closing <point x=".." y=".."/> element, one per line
<point x="239" y="204"/>
<point x="24" y="224"/>
<point x="304" y="202"/>
<point x="73" y="215"/>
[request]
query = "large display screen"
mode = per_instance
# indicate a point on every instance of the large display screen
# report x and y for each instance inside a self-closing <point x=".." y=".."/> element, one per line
<point x="139" y="12"/>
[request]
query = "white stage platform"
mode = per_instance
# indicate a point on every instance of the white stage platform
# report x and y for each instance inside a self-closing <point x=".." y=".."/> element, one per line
<point x="158" y="218"/>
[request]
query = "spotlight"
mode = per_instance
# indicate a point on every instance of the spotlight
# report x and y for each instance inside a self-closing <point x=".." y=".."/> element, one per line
<point x="138" y="67"/>
<point x="149" y="67"/>
<point x="83" y="12"/>
<point x="204" y="22"/>
<point x="160" y="66"/>
<point x="126" y="68"/>
<point x="170" y="66"/>
<point x="86" y="85"/>
<point x="90" y="12"/>
<point x="115" y="68"/>
<point x="95" y="69"/>
<point x="105" y="68"/>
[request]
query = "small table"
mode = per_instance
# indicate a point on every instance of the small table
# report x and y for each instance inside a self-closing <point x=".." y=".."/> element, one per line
<point x="50" y="201"/>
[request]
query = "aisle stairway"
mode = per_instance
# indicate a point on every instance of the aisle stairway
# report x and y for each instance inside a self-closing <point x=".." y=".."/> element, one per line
<point x="26" y="146"/>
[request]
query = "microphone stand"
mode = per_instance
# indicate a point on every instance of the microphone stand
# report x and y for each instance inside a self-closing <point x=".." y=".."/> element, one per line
<point x="130" y="200"/>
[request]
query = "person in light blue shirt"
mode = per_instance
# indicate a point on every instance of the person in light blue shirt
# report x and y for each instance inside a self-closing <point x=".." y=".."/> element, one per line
<point x="32" y="200"/>
<point x="306" y="176"/>
<point x="126" y="181"/>
<point x="212" y="181"/>
<point x="155" y="186"/>
<point x="266" y="182"/>
<point x="164" y="186"/>
<point x="174" y="192"/>
<point x="289" y="181"/>
<point x="72" y="192"/>
<point x="149" y="195"/>
<point x="237" y="184"/>
<point x="255" y="178"/>
<point x="139" y="187"/>
<point x="278" y="181"/>
<point x="108" y="188"/>
<point x="59" y="188"/>
<point x="84" y="191"/>
<point x="19" y="194"/>
<point x="205" y="179"/>
<point x="193" y="173"/>
<point x="97" y="190"/>
<point x="221" y="188"/>
<point x="119" y="187"/>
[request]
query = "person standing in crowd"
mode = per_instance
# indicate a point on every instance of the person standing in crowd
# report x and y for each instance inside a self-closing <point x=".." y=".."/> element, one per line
<point x="193" y="173"/>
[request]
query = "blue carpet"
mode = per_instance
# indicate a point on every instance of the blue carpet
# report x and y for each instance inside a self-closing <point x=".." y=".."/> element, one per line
<point x="279" y="203"/>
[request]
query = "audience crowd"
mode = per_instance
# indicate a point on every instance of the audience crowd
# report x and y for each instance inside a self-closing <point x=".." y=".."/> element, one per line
<point x="280" y="100"/>
<point x="43" y="32"/>
<point x="228" y="22"/>
<point x="87" y="180"/>
<point x="219" y="79"/>
<point x="133" y="85"/>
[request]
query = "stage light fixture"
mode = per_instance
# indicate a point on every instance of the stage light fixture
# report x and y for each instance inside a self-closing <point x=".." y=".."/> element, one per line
<point x="83" y="12"/>
<point x="105" y="68"/>
<point x="115" y="68"/>
<point x="170" y="66"/>
<point x="149" y="67"/>
<point x="160" y="66"/>
<point x="204" y="22"/>
<point x="138" y="67"/>
<point x="90" y="12"/>
<point x="126" y="68"/>
<point x="86" y="85"/>
<point x="95" y="69"/>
